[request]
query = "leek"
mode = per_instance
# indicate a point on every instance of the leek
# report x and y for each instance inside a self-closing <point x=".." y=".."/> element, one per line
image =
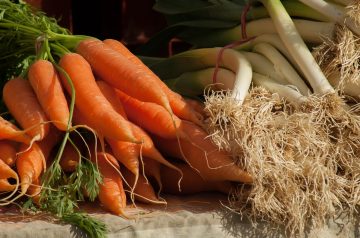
<point x="311" y="31"/>
<point x="284" y="91"/>
<point x="283" y="66"/>
<point x="297" y="47"/>
<point x="194" y="83"/>
<point x="262" y="65"/>
<point x="334" y="12"/>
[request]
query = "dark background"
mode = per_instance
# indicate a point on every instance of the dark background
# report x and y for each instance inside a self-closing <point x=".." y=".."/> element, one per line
<point x="131" y="21"/>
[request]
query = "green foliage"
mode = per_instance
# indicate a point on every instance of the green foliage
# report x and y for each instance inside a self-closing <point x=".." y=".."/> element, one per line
<point x="93" y="228"/>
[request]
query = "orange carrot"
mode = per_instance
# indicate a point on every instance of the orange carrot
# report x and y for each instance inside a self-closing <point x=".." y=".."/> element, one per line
<point x="46" y="83"/>
<point x="89" y="99"/>
<point x="197" y="106"/>
<point x="178" y="105"/>
<point x="30" y="165"/>
<point x="191" y="182"/>
<point x="48" y="143"/>
<point x="5" y="186"/>
<point x="111" y="194"/>
<point x="23" y="105"/>
<point x="129" y="153"/>
<point x="150" y="116"/>
<point x="6" y="172"/>
<point x="110" y="94"/>
<point x="152" y="170"/>
<point x="70" y="158"/>
<point x="126" y="153"/>
<point x="115" y="69"/>
<point x="143" y="191"/>
<point x="8" y="152"/>
<point x="147" y="147"/>
<point x="203" y="155"/>
<point x="11" y="132"/>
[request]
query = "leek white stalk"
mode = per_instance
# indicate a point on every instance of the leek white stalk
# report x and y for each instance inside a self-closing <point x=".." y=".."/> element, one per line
<point x="198" y="59"/>
<point x="194" y="83"/>
<point x="282" y="66"/>
<point x="261" y="65"/>
<point x="286" y="91"/>
<point x="334" y="12"/>
<point x="239" y="64"/>
<point x="274" y="40"/>
<point x="297" y="47"/>
<point x="311" y="31"/>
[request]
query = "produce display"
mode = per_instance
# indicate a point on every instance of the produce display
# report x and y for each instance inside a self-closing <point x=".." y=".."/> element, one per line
<point x="262" y="107"/>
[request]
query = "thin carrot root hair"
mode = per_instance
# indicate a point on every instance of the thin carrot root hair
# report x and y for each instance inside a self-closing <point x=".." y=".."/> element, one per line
<point x="273" y="141"/>
<point x="96" y="137"/>
<point x="142" y="166"/>
<point x="37" y="186"/>
<point x="340" y="57"/>
<point x="132" y="194"/>
<point x="147" y="199"/>
<point x="123" y="179"/>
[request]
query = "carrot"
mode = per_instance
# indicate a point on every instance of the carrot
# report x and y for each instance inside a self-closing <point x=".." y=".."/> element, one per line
<point x="152" y="170"/>
<point x="8" y="152"/>
<point x="126" y="153"/>
<point x="46" y="83"/>
<point x="30" y="165"/>
<point x="111" y="194"/>
<point x="196" y="106"/>
<point x="110" y="94"/>
<point x="150" y="116"/>
<point x="121" y="73"/>
<point x="143" y="191"/>
<point x="23" y="105"/>
<point x="191" y="183"/>
<point x="5" y="186"/>
<point x="177" y="103"/>
<point x="90" y="101"/>
<point x="49" y="142"/>
<point x="11" y="132"/>
<point x="147" y="146"/>
<point x="6" y="172"/>
<point x="46" y="145"/>
<point x="203" y="155"/>
<point x="70" y="158"/>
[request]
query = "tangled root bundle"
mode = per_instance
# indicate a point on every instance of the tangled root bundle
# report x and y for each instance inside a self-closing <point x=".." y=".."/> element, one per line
<point x="303" y="159"/>
<point x="338" y="57"/>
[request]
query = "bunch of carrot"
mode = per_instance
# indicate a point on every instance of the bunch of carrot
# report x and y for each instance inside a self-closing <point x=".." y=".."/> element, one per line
<point x="39" y="105"/>
<point x="89" y="119"/>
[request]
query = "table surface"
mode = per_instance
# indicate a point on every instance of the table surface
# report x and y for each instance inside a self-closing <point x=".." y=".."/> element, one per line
<point x="201" y="215"/>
